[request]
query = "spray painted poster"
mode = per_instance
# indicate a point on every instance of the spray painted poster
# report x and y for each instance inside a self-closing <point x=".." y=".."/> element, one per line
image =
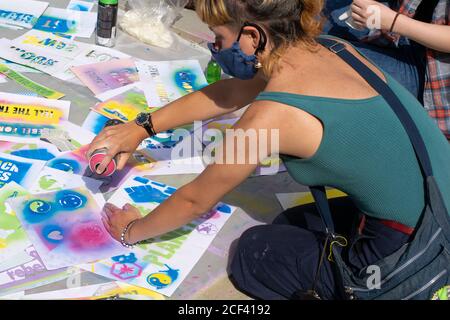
<point x="162" y="263"/>
<point x="92" y="54"/>
<point x="62" y="49"/>
<point x="26" y="270"/>
<point x="124" y="106"/>
<point x="75" y="162"/>
<point x="50" y="180"/>
<point x="20" y="170"/>
<point x="33" y="57"/>
<point x="67" y="22"/>
<point x="13" y="238"/>
<point x="177" y="152"/>
<point x="51" y="43"/>
<point x="33" y="150"/>
<point x="23" y="13"/>
<point x="66" y="136"/>
<point x="104" y="76"/>
<point x="65" y="227"/>
<point x="166" y="81"/>
<point x="94" y="122"/>
<point x="25" y="117"/>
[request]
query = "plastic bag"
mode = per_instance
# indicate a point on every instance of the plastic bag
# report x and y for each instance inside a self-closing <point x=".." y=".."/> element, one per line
<point x="150" y="20"/>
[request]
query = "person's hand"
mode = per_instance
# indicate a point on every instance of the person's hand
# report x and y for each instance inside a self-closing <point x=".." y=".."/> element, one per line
<point x="121" y="140"/>
<point x="115" y="220"/>
<point x="372" y="14"/>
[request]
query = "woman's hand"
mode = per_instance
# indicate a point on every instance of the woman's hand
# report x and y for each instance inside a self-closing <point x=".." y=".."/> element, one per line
<point x="121" y="139"/>
<point x="372" y="14"/>
<point x="115" y="220"/>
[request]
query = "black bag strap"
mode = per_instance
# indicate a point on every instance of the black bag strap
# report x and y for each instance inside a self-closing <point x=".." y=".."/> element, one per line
<point x="397" y="106"/>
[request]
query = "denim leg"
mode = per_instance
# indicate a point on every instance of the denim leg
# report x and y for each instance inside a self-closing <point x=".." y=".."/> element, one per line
<point x="272" y="262"/>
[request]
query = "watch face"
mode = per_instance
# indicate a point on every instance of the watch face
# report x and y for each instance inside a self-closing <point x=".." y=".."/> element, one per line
<point x="142" y="118"/>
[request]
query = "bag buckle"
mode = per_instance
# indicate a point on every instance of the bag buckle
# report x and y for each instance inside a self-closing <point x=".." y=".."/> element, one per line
<point x="337" y="47"/>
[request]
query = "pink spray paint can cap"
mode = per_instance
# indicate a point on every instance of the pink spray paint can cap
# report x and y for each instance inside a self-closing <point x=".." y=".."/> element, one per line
<point x="98" y="155"/>
<point x="97" y="158"/>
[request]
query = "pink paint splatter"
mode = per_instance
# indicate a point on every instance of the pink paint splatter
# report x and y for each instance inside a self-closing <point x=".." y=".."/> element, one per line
<point x="88" y="235"/>
<point x="214" y="214"/>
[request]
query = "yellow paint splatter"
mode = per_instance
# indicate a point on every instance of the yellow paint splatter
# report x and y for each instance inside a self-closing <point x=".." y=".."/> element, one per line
<point x="307" y="197"/>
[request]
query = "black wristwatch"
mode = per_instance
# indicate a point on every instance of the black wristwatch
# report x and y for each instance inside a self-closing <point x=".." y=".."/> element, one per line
<point x="144" y="120"/>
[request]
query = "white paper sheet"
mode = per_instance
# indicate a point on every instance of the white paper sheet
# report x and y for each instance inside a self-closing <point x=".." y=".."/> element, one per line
<point x="166" y="81"/>
<point x="67" y="22"/>
<point x="23" y="13"/>
<point x="33" y="57"/>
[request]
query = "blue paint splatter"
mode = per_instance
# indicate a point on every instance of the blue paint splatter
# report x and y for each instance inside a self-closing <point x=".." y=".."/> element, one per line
<point x="54" y="24"/>
<point x="67" y="165"/>
<point x="96" y="122"/>
<point x="36" y="154"/>
<point x="146" y="194"/>
<point x="11" y="170"/>
<point x="163" y="278"/>
<point x="23" y="130"/>
<point x="141" y="180"/>
<point x="53" y="234"/>
<point x="187" y="81"/>
<point x="37" y="210"/>
<point x="79" y="7"/>
<point x="224" y="208"/>
<point x="70" y="200"/>
<point x="130" y="258"/>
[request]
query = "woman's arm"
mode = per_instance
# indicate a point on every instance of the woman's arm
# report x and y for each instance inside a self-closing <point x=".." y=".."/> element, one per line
<point x="430" y="35"/>
<point x="220" y="98"/>
<point x="215" y="100"/>
<point x="198" y="197"/>
<point x="433" y="36"/>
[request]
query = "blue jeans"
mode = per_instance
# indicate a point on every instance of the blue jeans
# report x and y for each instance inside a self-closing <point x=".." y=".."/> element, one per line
<point x="405" y="63"/>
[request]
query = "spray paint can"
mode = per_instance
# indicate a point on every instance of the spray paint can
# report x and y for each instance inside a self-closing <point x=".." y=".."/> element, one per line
<point x="106" y="23"/>
<point x="98" y="155"/>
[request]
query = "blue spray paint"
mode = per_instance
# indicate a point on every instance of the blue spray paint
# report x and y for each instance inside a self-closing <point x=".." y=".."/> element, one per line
<point x="163" y="278"/>
<point x="67" y="165"/>
<point x="37" y="210"/>
<point x="36" y="154"/>
<point x="70" y="200"/>
<point x="11" y="170"/>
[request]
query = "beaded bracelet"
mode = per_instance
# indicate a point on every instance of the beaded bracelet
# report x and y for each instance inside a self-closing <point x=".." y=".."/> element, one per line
<point x="124" y="232"/>
<point x="393" y="22"/>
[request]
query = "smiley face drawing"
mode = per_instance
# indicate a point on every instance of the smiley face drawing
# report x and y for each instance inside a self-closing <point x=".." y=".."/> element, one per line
<point x="163" y="278"/>
<point x="70" y="200"/>
<point x="39" y="207"/>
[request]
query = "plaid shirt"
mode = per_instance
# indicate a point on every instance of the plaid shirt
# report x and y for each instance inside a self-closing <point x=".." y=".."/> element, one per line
<point x="437" y="82"/>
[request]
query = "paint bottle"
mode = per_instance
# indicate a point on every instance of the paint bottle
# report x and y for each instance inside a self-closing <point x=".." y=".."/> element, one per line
<point x="98" y="155"/>
<point x="106" y="23"/>
<point x="213" y="71"/>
